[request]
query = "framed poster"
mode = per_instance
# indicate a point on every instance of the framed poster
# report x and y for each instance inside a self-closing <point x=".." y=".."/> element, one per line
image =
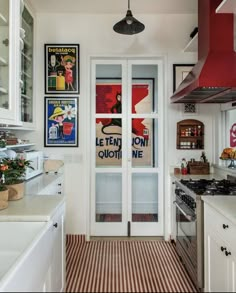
<point x="109" y="129"/>
<point x="180" y="71"/>
<point x="62" y="69"/>
<point x="61" y="122"/>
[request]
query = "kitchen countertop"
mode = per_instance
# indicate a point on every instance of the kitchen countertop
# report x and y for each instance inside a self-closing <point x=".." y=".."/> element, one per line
<point x="196" y="177"/>
<point x="32" y="208"/>
<point x="225" y="205"/>
<point x="38" y="183"/>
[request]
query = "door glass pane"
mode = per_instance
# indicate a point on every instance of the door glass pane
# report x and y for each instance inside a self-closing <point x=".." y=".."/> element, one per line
<point x="108" y="89"/>
<point x="144" y="89"/>
<point x="144" y="197"/>
<point x="108" y="142"/>
<point x="108" y="197"/>
<point x="27" y="67"/>
<point x="109" y="129"/>
<point x="4" y="54"/>
<point x="144" y="142"/>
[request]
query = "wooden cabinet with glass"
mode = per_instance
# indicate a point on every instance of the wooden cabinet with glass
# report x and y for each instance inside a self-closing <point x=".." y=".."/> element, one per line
<point x="190" y="134"/>
<point x="26" y="74"/>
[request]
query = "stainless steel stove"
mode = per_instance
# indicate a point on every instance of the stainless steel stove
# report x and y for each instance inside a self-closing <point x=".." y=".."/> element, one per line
<point x="189" y="219"/>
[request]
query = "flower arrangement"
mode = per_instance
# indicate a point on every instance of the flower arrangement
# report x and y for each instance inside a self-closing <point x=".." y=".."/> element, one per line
<point x="228" y="154"/>
<point x="3" y="168"/>
<point x="13" y="170"/>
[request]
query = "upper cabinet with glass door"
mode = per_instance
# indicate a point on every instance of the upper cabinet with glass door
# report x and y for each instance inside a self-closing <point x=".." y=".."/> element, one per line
<point x="4" y="54"/>
<point x="26" y="74"/>
<point x="9" y="68"/>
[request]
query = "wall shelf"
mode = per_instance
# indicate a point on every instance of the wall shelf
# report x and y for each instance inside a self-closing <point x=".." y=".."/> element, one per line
<point x="3" y="90"/>
<point x="26" y="97"/>
<point x="192" y="45"/>
<point x="190" y="135"/>
<point x="3" y="61"/>
<point x="3" y="20"/>
<point x="17" y="146"/>
<point x="227" y="6"/>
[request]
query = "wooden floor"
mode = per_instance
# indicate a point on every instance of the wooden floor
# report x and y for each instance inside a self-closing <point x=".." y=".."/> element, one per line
<point x="124" y="266"/>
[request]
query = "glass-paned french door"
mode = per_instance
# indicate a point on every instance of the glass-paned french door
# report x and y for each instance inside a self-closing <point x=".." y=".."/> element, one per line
<point x="126" y="147"/>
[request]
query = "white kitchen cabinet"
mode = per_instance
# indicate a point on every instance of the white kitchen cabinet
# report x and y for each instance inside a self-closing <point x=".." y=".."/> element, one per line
<point x="55" y="187"/>
<point x="58" y="252"/>
<point x="29" y="271"/>
<point x="40" y="265"/>
<point x="220" y="252"/>
<point x="9" y="65"/>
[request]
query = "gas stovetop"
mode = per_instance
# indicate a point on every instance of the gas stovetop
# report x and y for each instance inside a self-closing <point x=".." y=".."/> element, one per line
<point x="210" y="187"/>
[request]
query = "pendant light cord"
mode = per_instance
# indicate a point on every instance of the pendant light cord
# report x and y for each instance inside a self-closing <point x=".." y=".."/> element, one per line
<point x="128" y="4"/>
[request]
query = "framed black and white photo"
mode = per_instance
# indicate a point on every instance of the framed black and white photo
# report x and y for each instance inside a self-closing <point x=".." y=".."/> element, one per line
<point x="62" y="69"/>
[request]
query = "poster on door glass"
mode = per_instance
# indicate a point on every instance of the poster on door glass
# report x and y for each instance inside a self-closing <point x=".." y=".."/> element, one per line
<point x="109" y="130"/>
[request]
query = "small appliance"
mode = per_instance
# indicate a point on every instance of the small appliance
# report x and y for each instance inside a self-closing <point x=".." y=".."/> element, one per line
<point x="36" y="158"/>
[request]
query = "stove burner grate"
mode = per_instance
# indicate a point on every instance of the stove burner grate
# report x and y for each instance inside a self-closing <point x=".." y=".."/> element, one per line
<point x="210" y="187"/>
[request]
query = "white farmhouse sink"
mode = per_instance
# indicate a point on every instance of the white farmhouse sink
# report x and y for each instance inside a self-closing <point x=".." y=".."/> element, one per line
<point x="19" y="245"/>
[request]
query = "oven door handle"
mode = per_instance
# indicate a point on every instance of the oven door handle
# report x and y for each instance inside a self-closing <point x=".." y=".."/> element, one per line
<point x="189" y="217"/>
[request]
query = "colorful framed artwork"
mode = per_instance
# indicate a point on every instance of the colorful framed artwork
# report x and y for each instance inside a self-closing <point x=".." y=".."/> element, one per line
<point x="109" y="128"/>
<point x="62" y="69"/>
<point x="180" y="71"/>
<point x="61" y="122"/>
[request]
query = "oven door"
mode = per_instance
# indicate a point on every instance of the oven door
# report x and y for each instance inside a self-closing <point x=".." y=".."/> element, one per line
<point x="186" y="237"/>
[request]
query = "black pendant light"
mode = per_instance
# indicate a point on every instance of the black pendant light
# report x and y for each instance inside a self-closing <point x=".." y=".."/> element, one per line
<point x="129" y="25"/>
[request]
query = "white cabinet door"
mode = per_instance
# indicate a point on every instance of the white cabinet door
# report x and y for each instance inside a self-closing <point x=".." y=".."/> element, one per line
<point x="58" y="252"/>
<point x="220" y="253"/>
<point x="9" y="60"/>
<point x="217" y="273"/>
<point x="31" y="271"/>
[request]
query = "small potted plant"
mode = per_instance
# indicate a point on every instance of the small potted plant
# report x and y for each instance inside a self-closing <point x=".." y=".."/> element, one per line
<point x="14" y="176"/>
<point x="3" y="143"/>
<point x="4" y="192"/>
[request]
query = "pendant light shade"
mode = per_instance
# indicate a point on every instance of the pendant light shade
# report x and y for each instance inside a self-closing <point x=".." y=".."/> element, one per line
<point x="129" y="25"/>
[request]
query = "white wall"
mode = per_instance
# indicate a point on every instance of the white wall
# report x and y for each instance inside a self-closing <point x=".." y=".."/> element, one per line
<point x="165" y="35"/>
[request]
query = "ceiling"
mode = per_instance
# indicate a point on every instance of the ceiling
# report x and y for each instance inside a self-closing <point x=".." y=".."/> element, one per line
<point x="116" y="6"/>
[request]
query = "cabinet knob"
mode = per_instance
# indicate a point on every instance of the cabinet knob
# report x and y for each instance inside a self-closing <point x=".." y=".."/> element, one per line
<point x="59" y="184"/>
<point x="227" y="253"/>
<point x="225" y="226"/>
<point x="55" y="225"/>
<point x="59" y="192"/>
<point x="223" y="248"/>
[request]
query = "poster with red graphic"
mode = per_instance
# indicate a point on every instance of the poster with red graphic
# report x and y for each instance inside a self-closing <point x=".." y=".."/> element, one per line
<point x="109" y="100"/>
<point x="233" y="135"/>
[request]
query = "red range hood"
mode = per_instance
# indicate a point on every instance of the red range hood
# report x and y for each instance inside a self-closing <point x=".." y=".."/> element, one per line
<point x="213" y="78"/>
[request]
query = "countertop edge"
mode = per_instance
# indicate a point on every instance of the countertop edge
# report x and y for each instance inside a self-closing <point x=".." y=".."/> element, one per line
<point x="223" y="206"/>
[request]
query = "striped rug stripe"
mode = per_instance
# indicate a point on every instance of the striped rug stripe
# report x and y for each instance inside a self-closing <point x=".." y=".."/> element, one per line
<point x="124" y="266"/>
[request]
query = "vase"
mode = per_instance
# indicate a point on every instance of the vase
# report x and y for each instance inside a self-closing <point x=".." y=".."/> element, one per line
<point x="232" y="164"/>
<point x="4" y="199"/>
<point x="16" y="191"/>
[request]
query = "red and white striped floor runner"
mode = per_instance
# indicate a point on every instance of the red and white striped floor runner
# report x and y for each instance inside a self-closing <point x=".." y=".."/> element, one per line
<point x="124" y="266"/>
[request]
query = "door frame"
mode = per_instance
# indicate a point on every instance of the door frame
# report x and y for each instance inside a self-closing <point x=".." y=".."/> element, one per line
<point x="162" y="104"/>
